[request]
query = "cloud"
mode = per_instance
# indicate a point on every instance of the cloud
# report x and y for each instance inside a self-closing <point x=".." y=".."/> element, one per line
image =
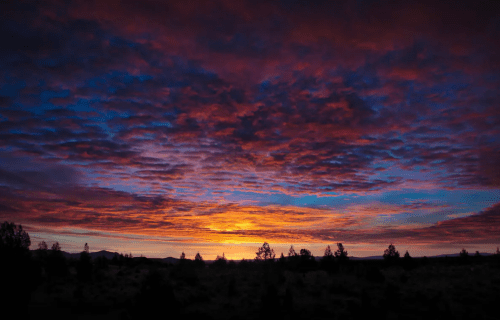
<point x="189" y="99"/>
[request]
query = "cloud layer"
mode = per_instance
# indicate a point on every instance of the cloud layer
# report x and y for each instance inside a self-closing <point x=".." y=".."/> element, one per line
<point x="198" y="119"/>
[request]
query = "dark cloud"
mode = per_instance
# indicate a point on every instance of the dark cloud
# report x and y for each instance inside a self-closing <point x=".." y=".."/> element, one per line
<point x="191" y="98"/>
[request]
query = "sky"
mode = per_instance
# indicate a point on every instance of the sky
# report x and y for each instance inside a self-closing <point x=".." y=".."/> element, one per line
<point x="157" y="127"/>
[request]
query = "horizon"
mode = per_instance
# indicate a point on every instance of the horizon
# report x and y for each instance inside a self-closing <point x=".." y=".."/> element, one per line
<point x="157" y="128"/>
<point x="277" y="257"/>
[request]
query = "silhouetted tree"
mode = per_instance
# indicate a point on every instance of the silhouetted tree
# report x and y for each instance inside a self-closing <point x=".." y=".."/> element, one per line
<point x="198" y="261"/>
<point x="43" y="246"/>
<point x="306" y="261"/>
<point x="84" y="265"/>
<point x="265" y="253"/>
<point x="117" y="259"/>
<point x="56" y="262"/>
<point x="328" y="262"/>
<point x="497" y="252"/>
<point x="305" y="253"/>
<point x="341" y="253"/>
<point x="328" y="252"/>
<point x="291" y="252"/>
<point x="391" y="255"/>
<point x="220" y="261"/>
<point x="183" y="256"/>
<point x="16" y="269"/>
<point x="222" y="258"/>
<point x="13" y="238"/>
<point x="42" y="251"/>
<point x="408" y="262"/>
<point x="56" y="246"/>
<point x="464" y="255"/>
<point x="282" y="260"/>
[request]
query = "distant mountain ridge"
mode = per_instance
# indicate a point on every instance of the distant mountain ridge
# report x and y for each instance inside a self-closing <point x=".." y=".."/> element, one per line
<point x="110" y="255"/>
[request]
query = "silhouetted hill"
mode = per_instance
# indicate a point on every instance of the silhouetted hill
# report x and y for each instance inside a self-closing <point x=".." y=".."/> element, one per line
<point x="367" y="258"/>
<point x="93" y="255"/>
<point x="107" y="254"/>
<point x="457" y="255"/>
<point x="170" y="260"/>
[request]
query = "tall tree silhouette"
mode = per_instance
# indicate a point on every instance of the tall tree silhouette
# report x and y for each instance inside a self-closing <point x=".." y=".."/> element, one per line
<point x="198" y="261"/>
<point x="56" y="262"/>
<point x="328" y="261"/>
<point x="15" y="266"/>
<point x="13" y="238"/>
<point x="84" y="266"/>
<point x="328" y="252"/>
<point x="391" y="255"/>
<point x="265" y="252"/>
<point x="341" y="253"/>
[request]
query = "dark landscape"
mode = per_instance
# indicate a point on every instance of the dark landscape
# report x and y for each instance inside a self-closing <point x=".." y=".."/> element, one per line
<point x="250" y="159"/>
<point x="53" y="284"/>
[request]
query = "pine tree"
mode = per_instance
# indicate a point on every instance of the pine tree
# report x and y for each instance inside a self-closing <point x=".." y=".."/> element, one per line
<point x="391" y="255"/>
<point x="328" y="252"/>
<point x="198" y="261"/>
<point x="341" y="253"/>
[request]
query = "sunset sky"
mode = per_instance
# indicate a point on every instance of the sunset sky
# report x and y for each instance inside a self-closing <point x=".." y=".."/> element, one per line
<point x="156" y="127"/>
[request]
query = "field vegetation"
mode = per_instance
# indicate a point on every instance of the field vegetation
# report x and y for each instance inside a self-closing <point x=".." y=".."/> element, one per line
<point x="45" y="284"/>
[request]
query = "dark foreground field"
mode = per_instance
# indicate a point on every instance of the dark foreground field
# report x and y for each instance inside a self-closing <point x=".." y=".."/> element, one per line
<point x="140" y="288"/>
